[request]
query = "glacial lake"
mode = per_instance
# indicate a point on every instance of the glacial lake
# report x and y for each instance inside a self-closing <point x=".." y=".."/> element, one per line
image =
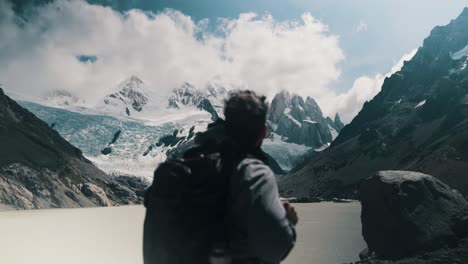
<point x="327" y="233"/>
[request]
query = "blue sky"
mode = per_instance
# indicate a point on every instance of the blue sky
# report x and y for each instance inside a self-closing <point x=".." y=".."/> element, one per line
<point x="336" y="51"/>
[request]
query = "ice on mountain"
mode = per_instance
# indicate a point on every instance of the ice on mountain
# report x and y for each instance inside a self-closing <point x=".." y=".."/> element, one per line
<point x="297" y="123"/>
<point x="420" y="104"/>
<point x="309" y="121"/>
<point x="286" y="154"/>
<point x="460" y="54"/>
<point x="287" y="112"/>
<point x="333" y="132"/>
<point x="322" y="148"/>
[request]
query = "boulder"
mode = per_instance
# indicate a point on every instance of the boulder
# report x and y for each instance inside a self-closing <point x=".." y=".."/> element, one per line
<point x="407" y="212"/>
<point x="96" y="193"/>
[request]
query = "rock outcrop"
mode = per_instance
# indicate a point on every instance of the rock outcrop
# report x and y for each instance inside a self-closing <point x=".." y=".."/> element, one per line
<point x="405" y="212"/>
<point x="40" y="169"/>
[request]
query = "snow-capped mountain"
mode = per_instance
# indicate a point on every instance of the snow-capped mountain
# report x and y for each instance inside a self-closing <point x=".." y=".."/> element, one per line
<point x="301" y="122"/>
<point x="131" y="96"/>
<point x="209" y="99"/>
<point x="133" y="128"/>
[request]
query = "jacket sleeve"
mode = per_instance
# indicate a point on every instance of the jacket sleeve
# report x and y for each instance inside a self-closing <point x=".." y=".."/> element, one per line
<point x="269" y="233"/>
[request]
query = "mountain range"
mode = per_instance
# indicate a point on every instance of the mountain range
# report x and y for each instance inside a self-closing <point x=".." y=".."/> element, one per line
<point x="418" y="121"/>
<point x="132" y="129"/>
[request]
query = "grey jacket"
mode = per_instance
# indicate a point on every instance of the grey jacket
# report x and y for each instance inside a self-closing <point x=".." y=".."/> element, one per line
<point x="259" y="230"/>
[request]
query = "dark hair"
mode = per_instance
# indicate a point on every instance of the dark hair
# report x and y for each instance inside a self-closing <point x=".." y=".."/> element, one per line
<point x="245" y="114"/>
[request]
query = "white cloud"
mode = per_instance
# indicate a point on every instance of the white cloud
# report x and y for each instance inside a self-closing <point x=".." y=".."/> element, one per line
<point x="164" y="49"/>
<point x="169" y="48"/>
<point x="362" y="26"/>
<point x="364" y="89"/>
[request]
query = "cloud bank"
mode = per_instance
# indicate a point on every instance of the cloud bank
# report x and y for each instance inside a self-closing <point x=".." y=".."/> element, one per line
<point x="364" y="88"/>
<point x="89" y="49"/>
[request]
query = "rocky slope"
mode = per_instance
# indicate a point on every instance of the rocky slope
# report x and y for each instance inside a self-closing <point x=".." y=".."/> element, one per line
<point x="418" y="122"/>
<point x="40" y="169"/>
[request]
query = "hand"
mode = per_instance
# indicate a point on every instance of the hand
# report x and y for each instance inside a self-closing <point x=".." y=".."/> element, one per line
<point x="291" y="213"/>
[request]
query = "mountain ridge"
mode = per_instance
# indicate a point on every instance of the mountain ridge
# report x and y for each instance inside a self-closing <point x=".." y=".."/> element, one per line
<point x="418" y="121"/>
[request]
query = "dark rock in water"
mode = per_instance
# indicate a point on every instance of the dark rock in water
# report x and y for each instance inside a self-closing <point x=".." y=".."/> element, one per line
<point x="106" y="151"/>
<point x="52" y="125"/>
<point x="407" y="212"/>
<point x="191" y="133"/>
<point x="116" y="136"/>
<point x="147" y="151"/>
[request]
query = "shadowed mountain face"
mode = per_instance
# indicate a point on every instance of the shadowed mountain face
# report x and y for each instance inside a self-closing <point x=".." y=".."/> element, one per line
<point x="419" y="122"/>
<point x="40" y="169"/>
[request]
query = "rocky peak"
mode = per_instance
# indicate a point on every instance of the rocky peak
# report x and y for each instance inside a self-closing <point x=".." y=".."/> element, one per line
<point x="299" y="121"/>
<point x="338" y="122"/>
<point x="280" y="102"/>
<point x="131" y="95"/>
<point x="312" y="106"/>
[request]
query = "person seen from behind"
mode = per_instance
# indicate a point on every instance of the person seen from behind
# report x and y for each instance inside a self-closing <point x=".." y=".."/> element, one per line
<point x="217" y="200"/>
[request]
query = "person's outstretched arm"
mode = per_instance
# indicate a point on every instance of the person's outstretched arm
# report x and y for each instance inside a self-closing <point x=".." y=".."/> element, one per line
<point x="271" y="235"/>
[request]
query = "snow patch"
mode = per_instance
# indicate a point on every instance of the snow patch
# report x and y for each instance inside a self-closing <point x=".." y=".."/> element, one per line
<point x="323" y="147"/>
<point x="460" y="54"/>
<point x="420" y="104"/>
<point x="294" y="120"/>
<point x="333" y="132"/>
<point x="288" y="155"/>
<point x="310" y="121"/>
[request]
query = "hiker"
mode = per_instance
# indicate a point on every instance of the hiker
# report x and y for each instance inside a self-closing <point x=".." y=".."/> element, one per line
<point x="218" y="201"/>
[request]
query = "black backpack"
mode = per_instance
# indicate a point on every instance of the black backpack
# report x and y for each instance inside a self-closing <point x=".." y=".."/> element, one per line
<point x="186" y="208"/>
